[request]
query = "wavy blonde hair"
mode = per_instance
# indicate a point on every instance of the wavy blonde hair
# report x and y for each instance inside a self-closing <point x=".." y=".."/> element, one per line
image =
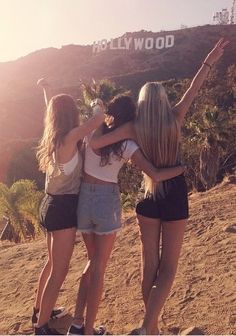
<point x="158" y="130"/>
<point x="60" y="118"/>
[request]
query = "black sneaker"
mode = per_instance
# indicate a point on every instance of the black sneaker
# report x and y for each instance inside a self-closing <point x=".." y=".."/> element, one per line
<point x="45" y="330"/>
<point x="56" y="313"/>
<point x="101" y="330"/>
<point x="73" y="330"/>
<point x="138" y="331"/>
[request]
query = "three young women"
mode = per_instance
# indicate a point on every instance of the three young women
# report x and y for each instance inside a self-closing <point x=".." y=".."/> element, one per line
<point x="99" y="205"/>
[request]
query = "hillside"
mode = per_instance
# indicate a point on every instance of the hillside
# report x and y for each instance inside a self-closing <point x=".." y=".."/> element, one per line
<point x="21" y="102"/>
<point x="203" y="294"/>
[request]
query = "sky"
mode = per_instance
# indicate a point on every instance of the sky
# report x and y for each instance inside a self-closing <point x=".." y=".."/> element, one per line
<point x="29" y="25"/>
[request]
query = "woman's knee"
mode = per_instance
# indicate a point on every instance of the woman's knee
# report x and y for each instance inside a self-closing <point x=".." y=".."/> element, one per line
<point x="58" y="274"/>
<point x="151" y="259"/>
<point x="48" y="264"/>
<point x="167" y="272"/>
<point x="150" y="271"/>
<point x="97" y="267"/>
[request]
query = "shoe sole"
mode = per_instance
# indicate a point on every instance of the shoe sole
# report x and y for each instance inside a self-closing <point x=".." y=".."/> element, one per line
<point x="63" y="313"/>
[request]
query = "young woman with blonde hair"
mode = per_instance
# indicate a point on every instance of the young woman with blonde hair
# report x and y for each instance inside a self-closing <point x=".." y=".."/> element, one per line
<point x="59" y="157"/>
<point x="165" y="206"/>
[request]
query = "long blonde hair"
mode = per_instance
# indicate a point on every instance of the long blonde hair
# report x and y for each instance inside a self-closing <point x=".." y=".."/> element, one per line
<point x="157" y="128"/>
<point x="61" y="117"/>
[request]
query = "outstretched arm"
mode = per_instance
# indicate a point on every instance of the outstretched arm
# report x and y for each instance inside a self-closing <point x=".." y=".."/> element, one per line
<point x="182" y="107"/>
<point x="47" y="92"/>
<point x="123" y="132"/>
<point x="157" y="175"/>
<point x="78" y="133"/>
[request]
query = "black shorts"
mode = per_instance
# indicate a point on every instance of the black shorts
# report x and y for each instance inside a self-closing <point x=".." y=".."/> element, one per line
<point x="169" y="205"/>
<point x="58" y="212"/>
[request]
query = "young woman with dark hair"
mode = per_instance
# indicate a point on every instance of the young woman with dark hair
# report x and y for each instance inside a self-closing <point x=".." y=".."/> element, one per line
<point x="99" y="207"/>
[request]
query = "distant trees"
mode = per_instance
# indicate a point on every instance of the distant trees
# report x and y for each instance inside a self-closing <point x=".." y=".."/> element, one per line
<point x="211" y="128"/>
<point x="103" y="89"/>
<point x="23" y="164"/>
<point x="209" y="162"/>
<point x="20" y="205"/>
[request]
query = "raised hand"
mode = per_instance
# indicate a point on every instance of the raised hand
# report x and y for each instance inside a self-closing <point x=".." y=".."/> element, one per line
<point x="42" y="82"/>
<point x="216" y="53"/>
<point x="97" y="105"/>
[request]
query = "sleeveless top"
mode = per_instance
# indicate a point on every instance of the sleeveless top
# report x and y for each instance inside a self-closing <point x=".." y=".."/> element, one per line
<point x="64" y="178"/>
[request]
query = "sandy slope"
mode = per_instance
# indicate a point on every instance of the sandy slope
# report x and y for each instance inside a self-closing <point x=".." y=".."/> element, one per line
<point x="203" y="294"/>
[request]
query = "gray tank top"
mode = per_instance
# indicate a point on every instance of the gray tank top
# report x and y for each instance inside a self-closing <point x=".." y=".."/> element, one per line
<point x="58" y="183"/>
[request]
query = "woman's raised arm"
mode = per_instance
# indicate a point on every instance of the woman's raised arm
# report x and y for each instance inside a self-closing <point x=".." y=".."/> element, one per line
<point x="47" y="92"/>
<point x="78" y="133"/>
<point x="182" y="107"/>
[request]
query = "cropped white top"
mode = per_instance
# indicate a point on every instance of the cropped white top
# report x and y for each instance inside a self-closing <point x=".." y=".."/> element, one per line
<point x="108" y="173"/>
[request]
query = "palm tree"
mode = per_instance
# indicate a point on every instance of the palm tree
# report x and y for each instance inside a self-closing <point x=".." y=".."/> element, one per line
<point x="219" y="127"/>
<point x="209" y="162"/>
<point x="20" y="204"/>
<point x="103" y="89"/>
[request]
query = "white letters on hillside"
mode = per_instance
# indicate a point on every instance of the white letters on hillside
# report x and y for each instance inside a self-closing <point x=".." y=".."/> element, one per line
<point x="139" y="43"/>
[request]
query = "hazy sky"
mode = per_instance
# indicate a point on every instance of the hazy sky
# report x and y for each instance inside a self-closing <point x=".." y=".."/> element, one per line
<point x="29" y="25"/>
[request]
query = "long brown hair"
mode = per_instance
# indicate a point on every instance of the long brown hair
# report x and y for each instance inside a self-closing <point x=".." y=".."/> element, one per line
<point x="121" y="109"/>
<point x="61" y="117"/>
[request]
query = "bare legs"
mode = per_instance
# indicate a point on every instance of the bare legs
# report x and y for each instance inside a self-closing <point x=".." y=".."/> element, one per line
<point x="61" y="248"/>
<point x="81" y="301"/>
<point x="44" y="274"/>
<point x="163" y="271"/>
<point x="91" y="284"/>
<point x="150" y="237"/>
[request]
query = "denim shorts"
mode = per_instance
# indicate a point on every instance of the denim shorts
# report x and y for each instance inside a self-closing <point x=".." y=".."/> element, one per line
<point x="99" y="208"/>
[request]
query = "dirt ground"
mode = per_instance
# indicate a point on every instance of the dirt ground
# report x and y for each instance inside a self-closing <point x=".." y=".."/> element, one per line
<point x="203" y="294"/>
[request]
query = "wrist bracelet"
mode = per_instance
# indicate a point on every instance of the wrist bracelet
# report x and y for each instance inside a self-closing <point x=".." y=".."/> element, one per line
<point x="205" y="63"/>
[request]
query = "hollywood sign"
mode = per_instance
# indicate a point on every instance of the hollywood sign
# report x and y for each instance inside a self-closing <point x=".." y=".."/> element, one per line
<point x="139" y="43"/>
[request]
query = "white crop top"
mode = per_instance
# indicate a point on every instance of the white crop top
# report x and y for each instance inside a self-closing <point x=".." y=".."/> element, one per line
<point x="108" y="173"/>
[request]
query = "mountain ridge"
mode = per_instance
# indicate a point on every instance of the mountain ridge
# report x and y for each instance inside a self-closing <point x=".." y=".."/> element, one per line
<point x="21" y="101"/>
